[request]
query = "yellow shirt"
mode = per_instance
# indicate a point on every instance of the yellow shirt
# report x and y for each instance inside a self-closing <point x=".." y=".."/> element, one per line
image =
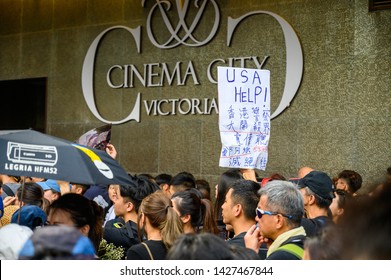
<point x="8" y="212"/>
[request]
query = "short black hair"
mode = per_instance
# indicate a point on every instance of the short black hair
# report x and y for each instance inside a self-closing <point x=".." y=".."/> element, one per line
<point x="163" y="178"/>
<point x="183" y="181"/>
<point x="136" y="192"/>
<point x="244" y="192"/>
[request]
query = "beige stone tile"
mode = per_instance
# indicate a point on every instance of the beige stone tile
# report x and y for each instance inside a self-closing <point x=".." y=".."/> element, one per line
<point x="104" y="11"/>
<point x="36" y="54"/>
<point x="10" y="57"/>
<point x="69" y="13"/>
<point x="373" y="153"/>
<point x="37" y="9"/>
<point x="139" y="147"/>
<point x="180" y="146"/>
<point x="10" y="15"/>
<point x="327" y="144"/>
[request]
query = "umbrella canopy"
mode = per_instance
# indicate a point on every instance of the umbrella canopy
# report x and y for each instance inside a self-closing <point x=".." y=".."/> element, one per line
<point x="34" y="154"/>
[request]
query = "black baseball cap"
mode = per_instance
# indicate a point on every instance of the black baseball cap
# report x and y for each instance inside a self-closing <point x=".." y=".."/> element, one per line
<point x="318" y="182"/>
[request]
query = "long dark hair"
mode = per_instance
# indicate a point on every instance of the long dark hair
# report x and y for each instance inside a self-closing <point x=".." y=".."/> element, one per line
<point x="32" y="195"/>
<point x="82" y="212"/>
<point x="200" y="210"/>
<point x="225" y="181"/>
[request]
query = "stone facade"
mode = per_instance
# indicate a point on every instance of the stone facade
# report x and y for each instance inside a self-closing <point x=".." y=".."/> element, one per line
<point x="339" y="119"/>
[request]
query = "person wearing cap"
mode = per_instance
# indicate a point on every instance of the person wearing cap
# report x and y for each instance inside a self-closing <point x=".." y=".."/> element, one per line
<point x="12" y="238"/>
<point x="29" y="215"/>
<point x="51" y="190"/>
<point x="317" y="190"/>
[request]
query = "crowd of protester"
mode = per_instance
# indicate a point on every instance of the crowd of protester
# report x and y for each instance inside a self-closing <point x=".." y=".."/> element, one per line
<point x="177" y="216"/>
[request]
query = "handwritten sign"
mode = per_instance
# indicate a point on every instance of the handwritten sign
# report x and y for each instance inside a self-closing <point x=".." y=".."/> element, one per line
<point x="244" y="117"/>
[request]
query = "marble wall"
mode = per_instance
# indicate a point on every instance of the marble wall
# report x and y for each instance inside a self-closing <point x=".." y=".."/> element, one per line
<point x="339" y="119"/>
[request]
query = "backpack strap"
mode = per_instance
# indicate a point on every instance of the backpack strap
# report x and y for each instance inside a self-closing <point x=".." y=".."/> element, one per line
<point x="293" y="249"/>
<point x="129" y="230"/>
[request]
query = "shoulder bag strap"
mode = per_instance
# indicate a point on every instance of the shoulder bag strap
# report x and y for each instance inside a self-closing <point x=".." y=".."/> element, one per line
<point x="149" y="251"/>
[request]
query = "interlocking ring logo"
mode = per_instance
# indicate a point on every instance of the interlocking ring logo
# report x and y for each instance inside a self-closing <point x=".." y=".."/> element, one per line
<point x="182" y="8"/>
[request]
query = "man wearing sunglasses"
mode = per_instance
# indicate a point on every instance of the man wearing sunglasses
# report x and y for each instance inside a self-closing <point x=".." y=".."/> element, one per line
<point x="279" y="213"/>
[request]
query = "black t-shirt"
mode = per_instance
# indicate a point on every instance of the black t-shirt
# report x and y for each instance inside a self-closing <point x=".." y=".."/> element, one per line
<point x="313" y="227"/>
<point x="237" y="240"/>
<point x="140" y="252"/>
<point x="119" y="233"/>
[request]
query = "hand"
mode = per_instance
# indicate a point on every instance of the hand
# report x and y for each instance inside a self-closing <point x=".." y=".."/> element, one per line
<point x="110" y="149"/>
<point x="64" y="187"/>
<point x="9" y="200"/>
<point x="265" y="240"/>
<point x="253" y="239"/>
<point x="249" y="174"/>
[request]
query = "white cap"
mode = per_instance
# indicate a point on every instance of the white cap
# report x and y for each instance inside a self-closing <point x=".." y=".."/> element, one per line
<point x="12" y="239"/>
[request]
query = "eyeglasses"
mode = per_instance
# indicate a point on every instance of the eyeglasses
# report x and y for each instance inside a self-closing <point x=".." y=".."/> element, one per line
<point x="261" y="212"/>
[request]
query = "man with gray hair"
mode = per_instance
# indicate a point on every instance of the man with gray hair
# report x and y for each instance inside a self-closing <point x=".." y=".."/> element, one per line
<point x="279" y="213"/>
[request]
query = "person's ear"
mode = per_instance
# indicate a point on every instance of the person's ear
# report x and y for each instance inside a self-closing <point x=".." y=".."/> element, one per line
<point x="311" y="199"/>
<point x="280" y="221"/>
<point x="78" y="190"/>
<point x="340" y="211"/>
<point x="186" y="218"/>
<point x="238" y="209"/>
<point x="129" y="206"/>
<point x="165" y="187"/>
<point x="140" y="219"/>
<point x="85" y="230"/>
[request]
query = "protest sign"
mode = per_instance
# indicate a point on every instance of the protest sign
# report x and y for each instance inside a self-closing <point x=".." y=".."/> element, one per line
<point x="244" y="117"/>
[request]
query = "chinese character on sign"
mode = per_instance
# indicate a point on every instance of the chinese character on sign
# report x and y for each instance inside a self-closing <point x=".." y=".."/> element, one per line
<point x="245" y="138"/>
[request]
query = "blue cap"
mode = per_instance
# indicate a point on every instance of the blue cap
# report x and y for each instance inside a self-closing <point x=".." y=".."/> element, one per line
<point x="50" y="185"/>
<point x="31" y="216"/>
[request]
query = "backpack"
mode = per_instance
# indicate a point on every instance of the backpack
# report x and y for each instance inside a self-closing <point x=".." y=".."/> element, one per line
<point x="293" y="249"/>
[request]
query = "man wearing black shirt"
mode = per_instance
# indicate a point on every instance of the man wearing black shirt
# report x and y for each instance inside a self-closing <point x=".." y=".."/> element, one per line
<point x="317" y="190"/>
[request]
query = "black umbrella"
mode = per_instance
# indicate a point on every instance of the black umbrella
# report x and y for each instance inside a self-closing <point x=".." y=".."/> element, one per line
<point x="33" y="154"/>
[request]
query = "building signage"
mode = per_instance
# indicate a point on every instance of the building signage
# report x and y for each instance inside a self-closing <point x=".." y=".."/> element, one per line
<point x="158" y="74"/>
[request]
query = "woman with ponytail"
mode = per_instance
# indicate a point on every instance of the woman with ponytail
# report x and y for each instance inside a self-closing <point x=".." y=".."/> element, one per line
<point x="161" y="226"/>
<point x="196" y="213"/>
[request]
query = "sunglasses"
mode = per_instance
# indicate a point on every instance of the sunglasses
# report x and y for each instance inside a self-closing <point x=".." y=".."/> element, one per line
<point x="261" y="212"/>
